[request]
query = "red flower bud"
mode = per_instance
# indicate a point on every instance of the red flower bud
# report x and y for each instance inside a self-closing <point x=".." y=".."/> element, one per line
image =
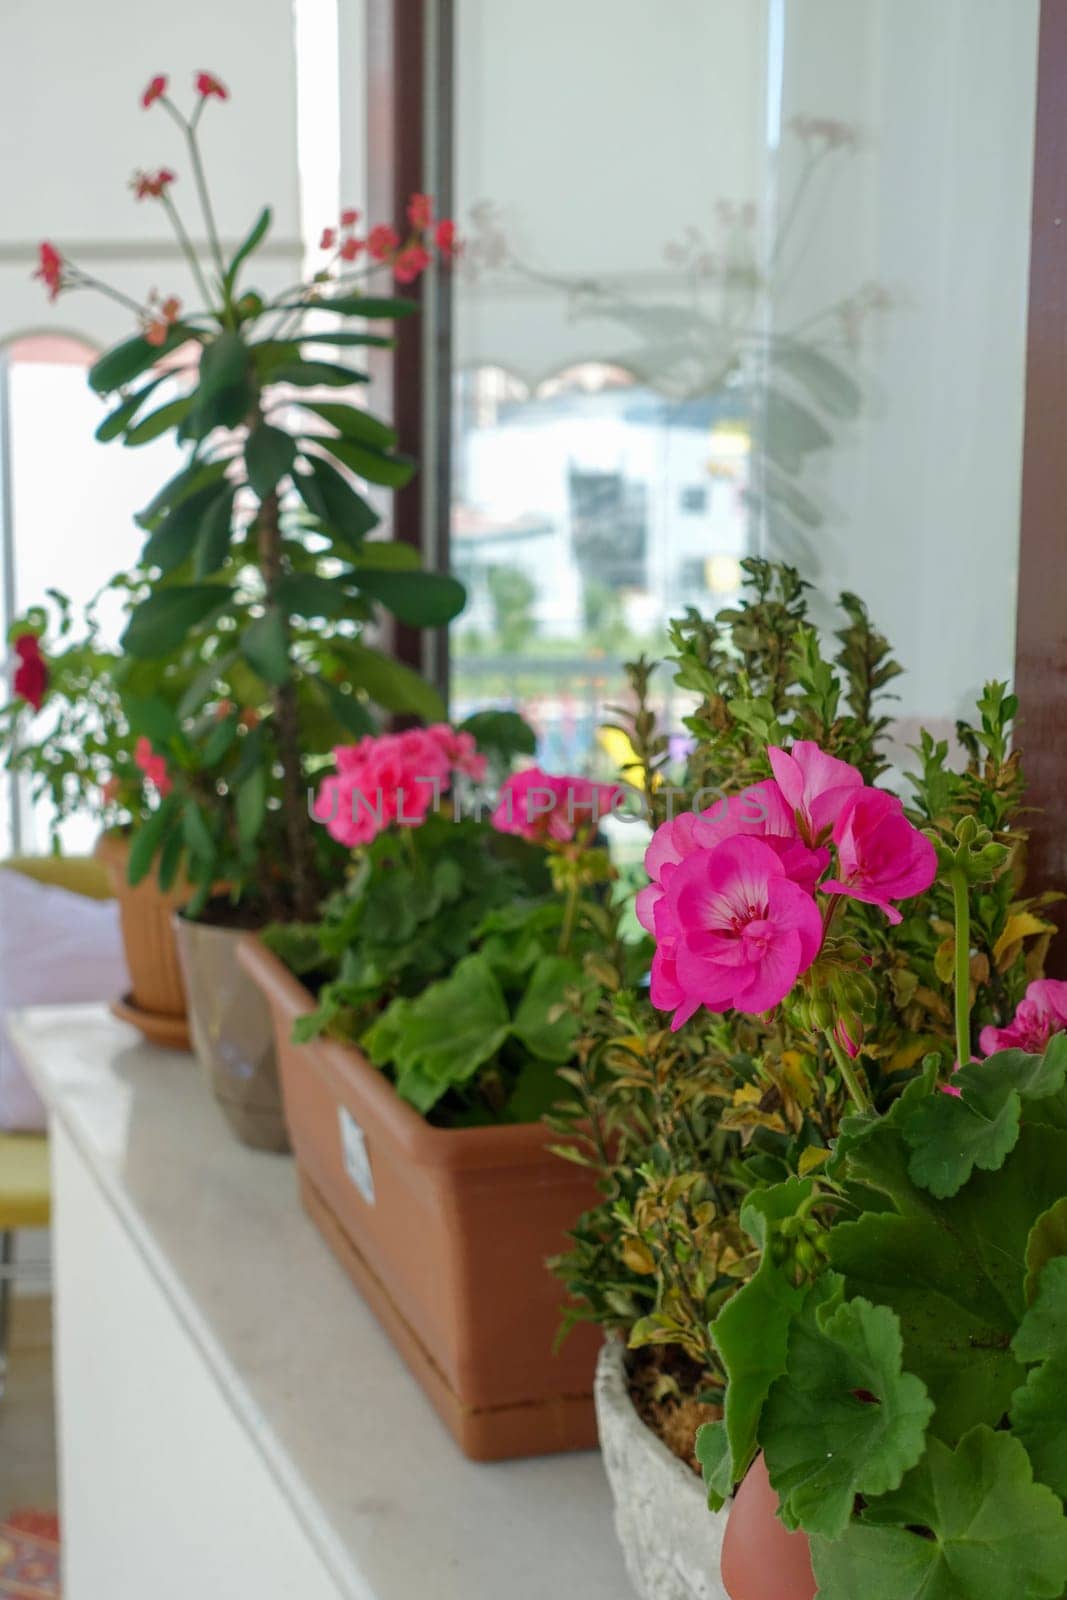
<point x="329" y="239"/>
<point x="207" y="85"/>
<point x="351" y="248"/>
<point x="151" y="185"/>
<point x="49" y="268"/>
<point x="155" y="91"/>
<point x="349" y="218"/>
<point x="445" y="239"/>
<point x="420" y="211"/>
<point x="410" y="263"/>
<point x="31" y="674"/>
<point x="382" y="241"/>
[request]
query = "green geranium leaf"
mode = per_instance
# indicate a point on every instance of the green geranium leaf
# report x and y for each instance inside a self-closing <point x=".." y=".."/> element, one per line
<point x="845" y="1419"/>
<point x="954" y="1271"/>
<point x="951" y="1135"/>
<point x="969" y="1524"/>
<point x="544" y="1022"/>
<point x="441" y="1039"/>
<point x="164" y="621"/>
<point x="713" y="1453"/>
<point x="751" y="1332"/>
<point x="1047" y="1242"/>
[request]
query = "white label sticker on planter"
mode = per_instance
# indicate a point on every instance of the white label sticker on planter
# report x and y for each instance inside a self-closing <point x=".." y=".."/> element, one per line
<point x="357" y="1157"/>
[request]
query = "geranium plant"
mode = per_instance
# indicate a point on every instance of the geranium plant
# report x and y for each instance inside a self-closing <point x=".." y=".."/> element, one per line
<point x="899" y="1355"/>
<point x="465" y="925"/>
<point x="682" y="1125"/>
<point x="257" y="561"/>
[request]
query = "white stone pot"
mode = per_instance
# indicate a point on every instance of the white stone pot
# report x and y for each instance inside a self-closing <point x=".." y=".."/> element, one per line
<point x="671" y="1541"/>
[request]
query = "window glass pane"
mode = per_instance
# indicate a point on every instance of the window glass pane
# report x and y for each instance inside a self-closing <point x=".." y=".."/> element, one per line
<point x="740" y="279"/>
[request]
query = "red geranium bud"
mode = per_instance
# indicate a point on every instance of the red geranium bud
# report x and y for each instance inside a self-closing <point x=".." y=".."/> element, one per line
<point x="420" y="211"/>
<point x="410" y="263"/>
<point x="207" y="84"/>
<point x="329" y="239"/>
<point x="155" y="91"/>
<point x="151" y="185"/>
<point x="351" y="248"/>
<point x="349" y="218"/>
<point x="445" y="239"/>
<point x="49" y="268"/>
<point x="382" y="241"/>
<point x="31" y="674"/>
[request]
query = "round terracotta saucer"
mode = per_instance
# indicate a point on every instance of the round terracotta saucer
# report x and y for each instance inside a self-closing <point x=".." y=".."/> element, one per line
<point x="158" y="1028"/>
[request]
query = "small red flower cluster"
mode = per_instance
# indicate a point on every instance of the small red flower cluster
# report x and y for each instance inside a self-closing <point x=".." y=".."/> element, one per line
<point x="205" y="83"/>
<point x="50" y="268"/>
<point x="151" y="185"/>
<point x="167" y="314"/>
<point x="408" y="258"/>
<point x="31" y="674"/>
<point x="153" y="766"/>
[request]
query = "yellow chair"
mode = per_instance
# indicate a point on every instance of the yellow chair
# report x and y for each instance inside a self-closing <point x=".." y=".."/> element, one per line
<point x="25" y="1185"/>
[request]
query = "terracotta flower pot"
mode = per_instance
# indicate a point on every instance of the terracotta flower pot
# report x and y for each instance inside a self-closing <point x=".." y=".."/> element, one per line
<point x="156" y="1003"/>
<point x="761" y="1559"/>
<point x="445" y="1232"/>
<point x="232" y="1032"/>
<point x="671" y="1542"/>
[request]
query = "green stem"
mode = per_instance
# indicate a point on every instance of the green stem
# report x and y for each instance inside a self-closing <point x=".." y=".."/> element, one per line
<point x="188" y="250"/>
<point x="569" y="915"/>
<point x="848" y="1072"/>
<point x="961" y="905"/>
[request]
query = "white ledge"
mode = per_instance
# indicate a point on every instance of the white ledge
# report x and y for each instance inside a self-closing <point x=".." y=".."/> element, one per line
<point x="381" y="1491"/>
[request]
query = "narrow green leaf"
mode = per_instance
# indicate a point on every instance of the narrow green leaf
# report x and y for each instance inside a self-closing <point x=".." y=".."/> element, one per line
<point x="148" y="838"/>
<point x="158" y="422"/>
<point x="308" y="595"/>
<point x="197" y="835"/>
<point x="423" y="599"/>
<point x="116" y="421"/>
<point x="252" y="806"/>
<point x="390" y="684"/>
<point x="215" y="532"/>
<point x="164" y="621"/>
<point x="118" y="366"/>
<point x="352" y="423"/>
<point x="331" y="498"/>
<point x="174" y="540"/>
<point x="192" y="478"/>
<point x="392" y="471"/>
<point x="255" y="237"/>
<point x="312" y="374"/>
<point x="265" y="646"/>
<point x="269" y="456"/>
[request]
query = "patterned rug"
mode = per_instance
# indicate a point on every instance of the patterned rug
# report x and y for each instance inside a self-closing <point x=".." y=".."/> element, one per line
<point x="29" y="1556"/>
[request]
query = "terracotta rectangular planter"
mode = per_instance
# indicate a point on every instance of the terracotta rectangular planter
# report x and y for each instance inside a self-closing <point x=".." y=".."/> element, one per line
<point x="445" y="1232"/>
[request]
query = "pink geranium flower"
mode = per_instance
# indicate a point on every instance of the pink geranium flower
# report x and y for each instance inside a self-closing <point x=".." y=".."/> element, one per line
<point x="734" y="931"/>
<point x="880" y="855"/>
<point x="540" y="806"/>
<point x="760" y="811"/>
<point x="1041" y="1013"/>
<point x="814" y="785"/>
<point x="392" y="780"/>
